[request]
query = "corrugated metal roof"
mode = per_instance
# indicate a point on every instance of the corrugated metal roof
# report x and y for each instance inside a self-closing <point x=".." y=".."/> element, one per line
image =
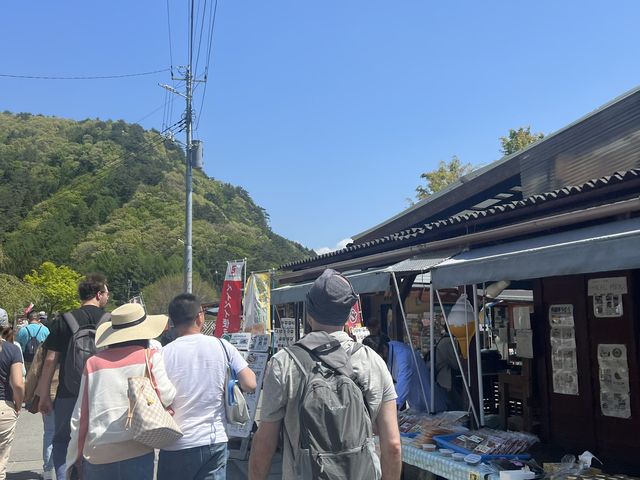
<point x="386" y="242"/>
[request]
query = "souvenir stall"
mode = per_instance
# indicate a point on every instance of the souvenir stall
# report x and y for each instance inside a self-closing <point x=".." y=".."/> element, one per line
<point x="582" y="335"/>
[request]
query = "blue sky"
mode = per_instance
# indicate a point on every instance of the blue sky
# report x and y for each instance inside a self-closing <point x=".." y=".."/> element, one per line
<point x="327" y="112"/>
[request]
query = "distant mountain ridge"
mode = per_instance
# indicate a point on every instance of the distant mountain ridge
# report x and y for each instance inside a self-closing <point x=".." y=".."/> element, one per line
<point x="109" y="196"/>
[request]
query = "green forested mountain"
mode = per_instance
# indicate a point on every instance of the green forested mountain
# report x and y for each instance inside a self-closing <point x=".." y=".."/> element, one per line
<point x="109" y="196"/>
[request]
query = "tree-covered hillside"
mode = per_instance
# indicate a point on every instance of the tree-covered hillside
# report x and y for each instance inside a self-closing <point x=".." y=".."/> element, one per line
<point x="109" y="196"/>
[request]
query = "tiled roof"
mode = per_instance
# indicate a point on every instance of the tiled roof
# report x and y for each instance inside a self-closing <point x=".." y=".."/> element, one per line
<point x="384" y="243"/>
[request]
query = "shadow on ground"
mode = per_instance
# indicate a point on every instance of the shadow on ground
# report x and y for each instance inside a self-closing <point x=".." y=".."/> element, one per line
<point x="26" y="475"/>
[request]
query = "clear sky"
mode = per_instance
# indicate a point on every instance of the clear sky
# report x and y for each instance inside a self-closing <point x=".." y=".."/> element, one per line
<point x="327" y="112"/>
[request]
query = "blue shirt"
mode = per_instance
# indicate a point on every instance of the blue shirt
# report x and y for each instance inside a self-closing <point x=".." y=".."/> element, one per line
<point x="37" y="330"/>
<point x="407" y="369"/>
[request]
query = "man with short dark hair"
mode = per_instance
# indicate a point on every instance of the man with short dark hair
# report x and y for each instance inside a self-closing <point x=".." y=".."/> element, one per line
<point x="94" y="296"/>
<point x="196" y="365"/>
<point x="31" y="336"/>
<point x="328" y="305"/>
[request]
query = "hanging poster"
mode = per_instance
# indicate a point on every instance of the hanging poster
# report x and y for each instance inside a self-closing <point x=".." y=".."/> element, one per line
<point x="607" y="296"/>
<point x="287" y="332"/>
<point x="564" y="362"/>
<point x="524" y="343"/>
<point x="257" y="362"/>
<point x="615" y="400"/>
<point x="230" y="300"/>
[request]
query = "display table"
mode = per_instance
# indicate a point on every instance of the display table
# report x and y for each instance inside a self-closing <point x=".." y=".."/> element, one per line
<point x="443" y="466"/>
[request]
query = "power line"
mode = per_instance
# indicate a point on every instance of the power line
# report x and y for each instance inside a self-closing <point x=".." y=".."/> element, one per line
<point x="206" y="68"/>
<point x="170" y="42"/>
<point x="99" y="77"/>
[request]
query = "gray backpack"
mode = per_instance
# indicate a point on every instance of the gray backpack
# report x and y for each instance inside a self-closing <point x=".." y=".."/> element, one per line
<point x="336" y="435"/>
<point x="81" y="346"/>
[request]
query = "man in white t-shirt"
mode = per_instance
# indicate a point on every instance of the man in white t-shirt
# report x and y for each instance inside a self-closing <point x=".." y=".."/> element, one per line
<point x="196" y="366"/>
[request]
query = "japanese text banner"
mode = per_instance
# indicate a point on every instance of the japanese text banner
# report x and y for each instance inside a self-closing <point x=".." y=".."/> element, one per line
<point x="230" y="310"/>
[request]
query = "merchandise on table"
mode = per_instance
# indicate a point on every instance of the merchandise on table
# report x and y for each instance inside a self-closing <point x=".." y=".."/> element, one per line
<point x="418" y="429"/>
<point x="487" y="441"/>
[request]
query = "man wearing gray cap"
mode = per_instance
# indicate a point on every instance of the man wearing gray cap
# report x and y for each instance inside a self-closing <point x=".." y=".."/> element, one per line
<point x="327" y="392"/>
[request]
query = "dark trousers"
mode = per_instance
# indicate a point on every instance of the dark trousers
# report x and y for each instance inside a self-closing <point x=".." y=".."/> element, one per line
<point x="63" y="408"/>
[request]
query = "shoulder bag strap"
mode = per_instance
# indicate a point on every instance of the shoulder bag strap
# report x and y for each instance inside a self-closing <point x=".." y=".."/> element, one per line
<point x="225" y="351"/>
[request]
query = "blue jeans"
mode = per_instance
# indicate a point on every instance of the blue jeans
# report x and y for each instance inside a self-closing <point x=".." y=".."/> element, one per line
<point x="47" y="441"/>
<point x="63" y="410"/>
<point x="208" y="462"/>
<point x="138" y="468"/>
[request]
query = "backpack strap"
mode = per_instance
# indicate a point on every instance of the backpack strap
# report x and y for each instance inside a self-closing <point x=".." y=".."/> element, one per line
<point x="71" y="322"/>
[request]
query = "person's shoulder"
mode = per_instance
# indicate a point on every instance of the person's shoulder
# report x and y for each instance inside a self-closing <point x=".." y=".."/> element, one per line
<point x="11" y="348"/>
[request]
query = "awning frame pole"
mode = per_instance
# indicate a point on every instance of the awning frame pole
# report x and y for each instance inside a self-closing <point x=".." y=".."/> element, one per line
<point x="478" y="355"/>
<point x="455" y="351"/>
<point x="432" y="362"/>
<point x="413" y="353"/>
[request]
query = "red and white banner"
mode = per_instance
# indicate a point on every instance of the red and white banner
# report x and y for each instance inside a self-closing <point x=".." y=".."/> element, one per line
<point x="230" y="311"/>
<point x="355" y="317"/>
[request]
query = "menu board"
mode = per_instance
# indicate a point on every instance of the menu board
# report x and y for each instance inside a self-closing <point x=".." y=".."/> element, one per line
<point x="563" y="350"/>
<point x="615" y="400"/>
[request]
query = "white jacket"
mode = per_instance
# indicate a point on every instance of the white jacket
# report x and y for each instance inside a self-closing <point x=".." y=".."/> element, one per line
<point x="98" y="422"/>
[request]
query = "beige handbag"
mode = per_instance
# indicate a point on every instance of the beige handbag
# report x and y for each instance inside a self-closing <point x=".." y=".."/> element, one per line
<point x="147" y="419"/>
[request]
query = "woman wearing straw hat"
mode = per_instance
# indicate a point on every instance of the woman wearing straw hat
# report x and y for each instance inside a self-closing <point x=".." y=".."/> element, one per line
<point x="101" y="447"/>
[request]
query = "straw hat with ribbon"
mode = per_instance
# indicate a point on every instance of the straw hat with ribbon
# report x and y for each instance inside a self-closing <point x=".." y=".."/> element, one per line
<point x="129" y="322"/>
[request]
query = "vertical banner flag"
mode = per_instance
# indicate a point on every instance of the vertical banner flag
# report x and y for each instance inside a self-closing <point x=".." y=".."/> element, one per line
<point x="230" y="309"/>
<point x="355" y="317"/>
<point x="257" y="303"/>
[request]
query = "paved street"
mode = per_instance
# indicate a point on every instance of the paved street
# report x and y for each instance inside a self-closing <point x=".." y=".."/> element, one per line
<point x="25" y="462"/>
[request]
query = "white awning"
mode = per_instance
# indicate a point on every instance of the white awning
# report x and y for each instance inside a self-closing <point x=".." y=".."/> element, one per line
<point x="363" y="282"/>
<point x="599" y="248"/>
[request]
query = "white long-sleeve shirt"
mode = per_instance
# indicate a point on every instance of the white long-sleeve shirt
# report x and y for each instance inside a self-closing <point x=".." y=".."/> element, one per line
<point x="98" y="422"/>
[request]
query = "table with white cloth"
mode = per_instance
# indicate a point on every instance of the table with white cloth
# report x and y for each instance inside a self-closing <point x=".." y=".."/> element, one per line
<point x="442" y="466"/>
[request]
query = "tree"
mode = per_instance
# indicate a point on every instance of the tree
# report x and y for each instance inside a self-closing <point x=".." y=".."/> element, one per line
<point x="516" y="140"/>
<point x="158" y="295"/>
<point x="443" y="176"/>
<point x="59" y="286"/>
<point x="15" y="295"/>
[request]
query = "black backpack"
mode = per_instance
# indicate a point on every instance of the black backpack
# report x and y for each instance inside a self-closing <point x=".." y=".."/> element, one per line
<point x="81" y="346"/>
<point x="336" y="434"/>
<point x="32" y="345"/>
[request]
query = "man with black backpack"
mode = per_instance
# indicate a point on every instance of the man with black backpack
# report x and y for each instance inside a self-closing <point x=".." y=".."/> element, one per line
<point x="31" y="337"/>
<point x="330" y="394"/>
<point x="70" y="343"/>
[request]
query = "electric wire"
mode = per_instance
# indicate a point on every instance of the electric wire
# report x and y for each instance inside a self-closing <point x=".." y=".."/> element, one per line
<point x="150" y="113"/>
<point x="150" y="146"/>
<point x="204" y="15"/>
<point x="212" y="22"/>
<point x="170" y="42"/>
<point x="95" y="77"/>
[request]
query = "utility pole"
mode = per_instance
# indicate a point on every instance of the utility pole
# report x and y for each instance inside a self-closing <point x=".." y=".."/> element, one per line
<point x="191" y="155"/>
